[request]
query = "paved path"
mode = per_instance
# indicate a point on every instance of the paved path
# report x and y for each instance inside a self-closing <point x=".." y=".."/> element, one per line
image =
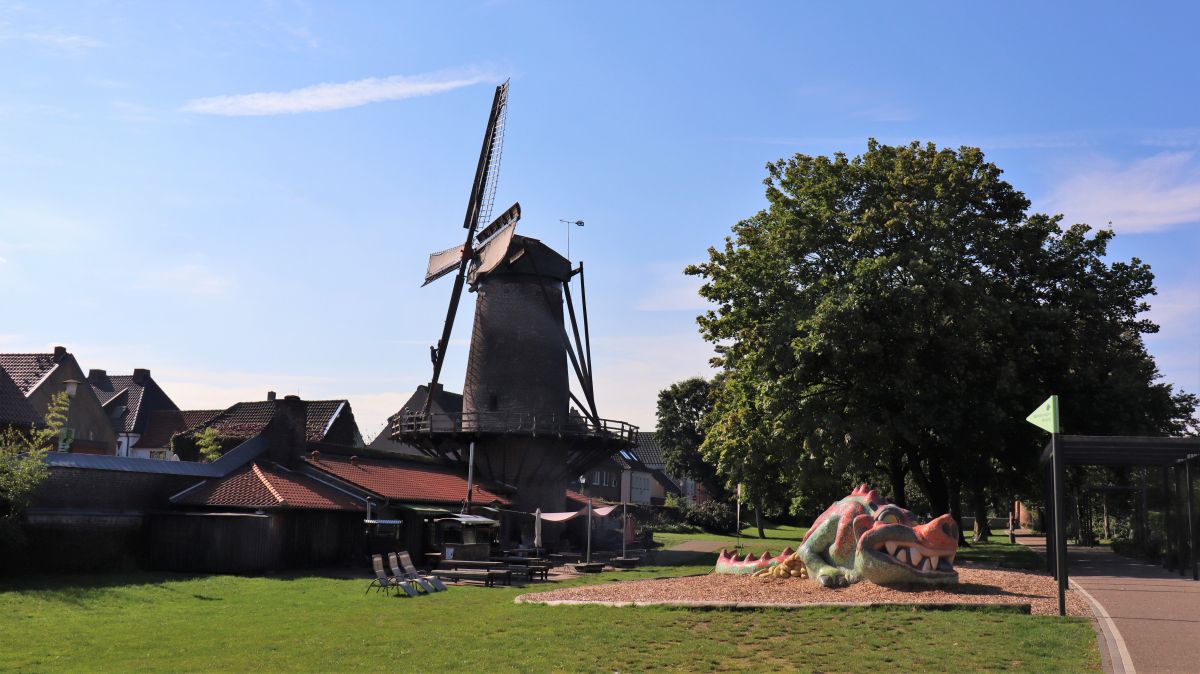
<point x="699" y="546"/>
<point x="1154" y="614"/>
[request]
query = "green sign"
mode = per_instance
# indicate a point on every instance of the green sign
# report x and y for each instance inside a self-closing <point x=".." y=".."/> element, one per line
<point x="1046" y="415"/>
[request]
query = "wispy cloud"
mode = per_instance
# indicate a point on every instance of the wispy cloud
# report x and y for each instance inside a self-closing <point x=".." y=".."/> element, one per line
<point x="336" y="96"/>
<point x="67" y="42"/>
<point x="187" y="279"/>
<point x="1148" y="195"/>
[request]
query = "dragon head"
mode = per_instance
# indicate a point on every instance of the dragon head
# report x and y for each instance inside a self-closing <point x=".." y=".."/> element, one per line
<point x="891" y="550"/>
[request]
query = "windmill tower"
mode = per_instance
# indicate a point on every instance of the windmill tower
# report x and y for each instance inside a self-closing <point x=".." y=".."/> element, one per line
<point x="517" y="412"/>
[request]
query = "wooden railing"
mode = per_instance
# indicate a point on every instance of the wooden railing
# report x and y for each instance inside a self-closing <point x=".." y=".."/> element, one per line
<point x="516" y="423"/>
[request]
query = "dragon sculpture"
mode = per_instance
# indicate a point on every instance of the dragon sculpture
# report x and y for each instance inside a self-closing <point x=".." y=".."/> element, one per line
<point x="864" y="537"/>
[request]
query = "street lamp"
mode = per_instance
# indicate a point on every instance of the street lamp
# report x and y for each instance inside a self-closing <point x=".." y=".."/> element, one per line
<point x="568" y="223"/>
<point x="582" y="484"/>
<point x="67" y="436"/>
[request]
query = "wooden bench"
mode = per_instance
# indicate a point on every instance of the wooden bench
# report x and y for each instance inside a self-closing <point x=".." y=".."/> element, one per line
<point x="487" y="576"/>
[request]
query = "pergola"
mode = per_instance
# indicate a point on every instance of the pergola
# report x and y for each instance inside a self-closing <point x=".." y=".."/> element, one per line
<point x="1174" y="456"/>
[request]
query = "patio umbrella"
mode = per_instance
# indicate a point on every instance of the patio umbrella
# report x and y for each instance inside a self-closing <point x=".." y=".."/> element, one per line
<point x="537" y="529"/>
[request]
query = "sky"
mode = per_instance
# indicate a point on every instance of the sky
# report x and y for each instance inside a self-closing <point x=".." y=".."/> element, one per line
<point x="241" y="196"/>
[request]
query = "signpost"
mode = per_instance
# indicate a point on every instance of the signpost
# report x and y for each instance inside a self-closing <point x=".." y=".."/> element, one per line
<point x="1046" y="418"/>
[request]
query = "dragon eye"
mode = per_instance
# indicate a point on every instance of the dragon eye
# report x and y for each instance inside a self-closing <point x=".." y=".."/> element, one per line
<point x="889" y="517"/>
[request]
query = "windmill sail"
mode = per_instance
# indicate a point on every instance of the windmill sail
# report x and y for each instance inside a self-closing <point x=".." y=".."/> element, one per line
<point x="478" y="208"/>
<point x="442" y="263"/>
<point x="492" y="253"/>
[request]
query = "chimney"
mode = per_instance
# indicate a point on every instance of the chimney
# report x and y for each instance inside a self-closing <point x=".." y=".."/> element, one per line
<point x="286" y="434"/>
<point x="60" y="352"/>
<point x="96" y="376"/>
<point x="315" y="456"/>
<point x="354" y="461"/>
<point x="141" y="376"/>
<point x="270" y="396"/>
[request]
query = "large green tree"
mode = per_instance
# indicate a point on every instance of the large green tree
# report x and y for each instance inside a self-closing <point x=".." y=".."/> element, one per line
<point x="895" y="315"/>
<point x="683" y="409"/>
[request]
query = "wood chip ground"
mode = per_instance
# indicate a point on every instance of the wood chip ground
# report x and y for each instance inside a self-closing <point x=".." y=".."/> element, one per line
<point x="977" y="585"/>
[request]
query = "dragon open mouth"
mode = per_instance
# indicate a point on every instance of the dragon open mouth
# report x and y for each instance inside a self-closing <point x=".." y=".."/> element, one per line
<point x="918" y="557"/>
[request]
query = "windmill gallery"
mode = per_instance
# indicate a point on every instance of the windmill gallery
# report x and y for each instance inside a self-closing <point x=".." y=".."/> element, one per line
<point x="461" y="476"/>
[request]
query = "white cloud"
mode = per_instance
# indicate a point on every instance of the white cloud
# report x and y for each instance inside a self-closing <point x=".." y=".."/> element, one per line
<point x="336" y="96"/>
<point x="62" y="41"/>
<point x="188" y="278"/>
<point x="1149" y="195"/>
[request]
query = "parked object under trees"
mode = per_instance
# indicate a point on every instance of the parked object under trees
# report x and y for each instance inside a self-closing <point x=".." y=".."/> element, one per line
<point x="893" y="316"/>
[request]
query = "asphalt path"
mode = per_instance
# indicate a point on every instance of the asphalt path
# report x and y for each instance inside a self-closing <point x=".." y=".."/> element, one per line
<point x="1153" y="615"/>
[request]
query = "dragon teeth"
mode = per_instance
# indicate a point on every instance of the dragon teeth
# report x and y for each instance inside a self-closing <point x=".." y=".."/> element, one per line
<point x="891" y="547"/>
<point x="902" y="555"/>
<point x="934" y="561"/>
<point x="915" y="557"/>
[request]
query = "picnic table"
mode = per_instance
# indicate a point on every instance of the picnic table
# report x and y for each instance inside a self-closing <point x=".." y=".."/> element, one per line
<point x="468" y="564"/>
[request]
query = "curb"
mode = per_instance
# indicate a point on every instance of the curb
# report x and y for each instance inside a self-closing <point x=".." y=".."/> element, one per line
<point x="1118" y="653"/>
<point x="758" y="606"/>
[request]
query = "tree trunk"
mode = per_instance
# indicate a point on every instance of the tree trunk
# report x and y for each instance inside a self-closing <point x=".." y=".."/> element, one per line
<point x="758" y="520"/>
<point x="954" y="492"/>
<point x="896" y="474"/>
<point x="979" y="505"/>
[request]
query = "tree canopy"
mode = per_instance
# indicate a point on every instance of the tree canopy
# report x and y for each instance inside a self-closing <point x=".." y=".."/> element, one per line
<point x="894" y="316"/>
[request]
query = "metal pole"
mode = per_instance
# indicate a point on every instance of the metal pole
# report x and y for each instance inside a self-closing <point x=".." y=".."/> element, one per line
<point x="1060" y="534"/>
<point x="1012" y="509"/>
<point x="589" y="533"/>
<point x="624" y="524"/>
<point x="470" y="476"/>
<point x="1048" y="524"/>
<point x="739" y="518"/>
<point x="1166" y="518"/>
<point x="1191" y="506"/>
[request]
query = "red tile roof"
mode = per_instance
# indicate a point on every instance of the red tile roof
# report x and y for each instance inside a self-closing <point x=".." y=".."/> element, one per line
<point x="268" y="486"/>
<point x="404" y="481"/>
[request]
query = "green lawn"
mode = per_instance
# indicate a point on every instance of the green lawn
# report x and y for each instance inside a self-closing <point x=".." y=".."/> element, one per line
<point x="226" y="623"/>
<point x="778" y="536"/>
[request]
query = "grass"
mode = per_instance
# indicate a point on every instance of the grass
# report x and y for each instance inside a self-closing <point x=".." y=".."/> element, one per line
<point x="162" y="622"/>
<point x="999" y="552"/>
<point x="778" y="536"/>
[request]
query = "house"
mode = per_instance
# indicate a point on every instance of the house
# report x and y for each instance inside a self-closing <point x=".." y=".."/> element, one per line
<point x="130" y="400"/>
<point x="277" y="500"/>
<point x="16" y="411"/>
<point x="444" y="404"/>
<point x="648" y="453"/>
<point x="39" y="376"/>
<point x="162" y="426"/>
<point x="327" y="421"/>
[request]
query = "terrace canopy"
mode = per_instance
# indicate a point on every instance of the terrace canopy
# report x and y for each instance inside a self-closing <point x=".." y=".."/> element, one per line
<point x="1174" y="456"/>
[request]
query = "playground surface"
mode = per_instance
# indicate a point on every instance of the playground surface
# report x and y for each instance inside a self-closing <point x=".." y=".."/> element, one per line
<point x="978" y="585"/>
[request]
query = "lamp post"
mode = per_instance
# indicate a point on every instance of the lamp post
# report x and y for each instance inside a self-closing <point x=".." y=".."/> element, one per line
<point x="568" y="223"/>
<point x="582" y="486"/>
<point x="68" y="434"/>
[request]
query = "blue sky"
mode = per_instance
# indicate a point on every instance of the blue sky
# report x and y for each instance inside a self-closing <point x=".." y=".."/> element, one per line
<point x="241" y="195"/>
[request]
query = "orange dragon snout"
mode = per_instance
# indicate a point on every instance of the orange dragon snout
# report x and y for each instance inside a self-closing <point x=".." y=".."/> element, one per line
<point x="939" y="534"/>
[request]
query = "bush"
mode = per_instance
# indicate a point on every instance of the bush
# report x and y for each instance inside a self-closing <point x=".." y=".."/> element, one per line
<point x="713" y="516"/>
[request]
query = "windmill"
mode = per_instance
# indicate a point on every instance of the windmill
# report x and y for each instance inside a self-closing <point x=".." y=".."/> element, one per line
<point x="532" y="431"/>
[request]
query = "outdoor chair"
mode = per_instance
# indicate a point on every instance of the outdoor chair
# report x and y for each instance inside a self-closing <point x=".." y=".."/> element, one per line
<point x="410" y="571"/>
<point x="385" y="582"/>
<point x="417" y="581"/>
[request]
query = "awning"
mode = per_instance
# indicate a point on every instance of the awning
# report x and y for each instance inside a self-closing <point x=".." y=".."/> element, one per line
<point x="563" y="517"/>
<point x="468" y="519"/>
